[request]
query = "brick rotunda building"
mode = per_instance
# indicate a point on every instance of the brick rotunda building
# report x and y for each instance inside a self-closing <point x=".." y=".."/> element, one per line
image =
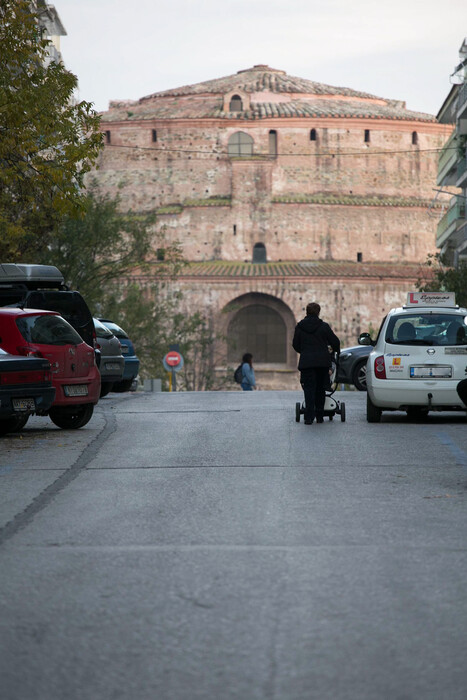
<point x="281" y="191"/>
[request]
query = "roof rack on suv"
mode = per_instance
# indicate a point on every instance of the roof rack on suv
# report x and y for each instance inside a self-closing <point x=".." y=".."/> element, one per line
<point x="43" y="287"/>
<point x="33" y="276"/>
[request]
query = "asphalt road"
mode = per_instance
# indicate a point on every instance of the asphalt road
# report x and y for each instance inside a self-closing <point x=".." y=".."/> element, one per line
<point x="206" y="546"/>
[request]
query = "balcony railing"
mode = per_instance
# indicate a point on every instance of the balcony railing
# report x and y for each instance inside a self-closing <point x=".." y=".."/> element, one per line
<point x="452" y="215"/>
<point x="447" y="157"/>
<point x="461" y="235"/>
<point x="461" y="170"/>
<point x="462" y="100"/>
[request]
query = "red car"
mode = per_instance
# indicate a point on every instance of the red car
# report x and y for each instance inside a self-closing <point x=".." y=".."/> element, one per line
<point x="75" y="376"/>
<point x="25" y="388"/>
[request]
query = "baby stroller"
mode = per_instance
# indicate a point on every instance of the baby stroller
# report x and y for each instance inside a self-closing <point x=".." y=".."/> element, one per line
<point x="331" y="405"/>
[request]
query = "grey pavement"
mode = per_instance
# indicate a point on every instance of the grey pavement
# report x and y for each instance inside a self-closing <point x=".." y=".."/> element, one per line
<point x="205" y="545"/>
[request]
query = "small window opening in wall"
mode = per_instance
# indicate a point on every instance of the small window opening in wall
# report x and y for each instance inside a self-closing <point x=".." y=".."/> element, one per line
<point x="359" y="257"/>
<point x="236" y="104"/>
<point x="273" y="143"/>
<point x="313" y="135"/>
<point x="154" y="135"/>
<point x="414" y="138"/>
<point x="160" y="253"/>
<point x="235" y="229"/>
<point x="367" y="136"/>
<point x="259" y="253"/>
<point x="107" y="136"/>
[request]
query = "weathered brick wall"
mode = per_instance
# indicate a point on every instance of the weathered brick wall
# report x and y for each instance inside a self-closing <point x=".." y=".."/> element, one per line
<point x="351" y="306"/>
<point x="310" y="202"/>
<point x="303" y="232"/>
<point x="187" y="164"/>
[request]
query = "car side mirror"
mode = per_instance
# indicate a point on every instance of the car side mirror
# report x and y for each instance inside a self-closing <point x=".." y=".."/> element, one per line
<point x="365" y="339"/>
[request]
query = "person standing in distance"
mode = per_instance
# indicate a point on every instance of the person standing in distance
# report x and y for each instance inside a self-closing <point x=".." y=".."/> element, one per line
<point x="248" y="373"/>
<point x="311" y="340"/>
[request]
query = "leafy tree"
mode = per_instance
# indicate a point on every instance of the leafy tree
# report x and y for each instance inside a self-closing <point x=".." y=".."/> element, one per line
<point x="445" y="278"/>
<point x="195" y="335"/>
<point x="47" y="142"/>
<point x="153" y="320"/>
<point x="99" y="250"/>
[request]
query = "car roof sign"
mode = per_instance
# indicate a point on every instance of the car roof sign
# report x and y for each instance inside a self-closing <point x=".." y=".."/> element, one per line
<point x="431" y="299"/>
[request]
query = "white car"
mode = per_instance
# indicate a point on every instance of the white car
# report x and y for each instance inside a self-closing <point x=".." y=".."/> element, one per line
<point x="418" y="358"/>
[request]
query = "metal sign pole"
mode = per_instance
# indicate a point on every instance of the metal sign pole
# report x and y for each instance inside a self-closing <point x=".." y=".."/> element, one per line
<point x="174" y="380"/>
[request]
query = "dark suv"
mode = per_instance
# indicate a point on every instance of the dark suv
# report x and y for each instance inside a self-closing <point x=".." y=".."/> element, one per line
<point x="43" y="287"/>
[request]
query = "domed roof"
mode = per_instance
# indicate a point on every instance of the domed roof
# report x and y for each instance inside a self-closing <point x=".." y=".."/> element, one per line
<point x="260" y="78"/>
<point x="267" y="93"/>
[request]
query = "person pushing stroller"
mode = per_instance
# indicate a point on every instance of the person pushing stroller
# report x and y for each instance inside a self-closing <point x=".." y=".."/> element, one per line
<point x="312" y="339"/>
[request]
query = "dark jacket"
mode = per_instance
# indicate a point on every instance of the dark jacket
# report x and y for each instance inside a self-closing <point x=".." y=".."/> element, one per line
<point x="311" y="339"/>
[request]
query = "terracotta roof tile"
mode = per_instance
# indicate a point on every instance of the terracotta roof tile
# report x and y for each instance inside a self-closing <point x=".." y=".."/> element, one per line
<point x="205" y="100"/>
<point x="331" y="268"/>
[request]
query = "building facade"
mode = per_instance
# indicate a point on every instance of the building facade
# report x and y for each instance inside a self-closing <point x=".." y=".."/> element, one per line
<point x="451" y="237"/>
<point x="281" y="191"/>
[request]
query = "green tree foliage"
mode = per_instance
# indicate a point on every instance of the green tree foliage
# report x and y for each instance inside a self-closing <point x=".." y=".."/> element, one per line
<point x="100" y="254"/>
<point x="99" y="250"/>
<point x="153" y="319"/>
<point x="47" y="142"/>
<point x="445" y="278"/>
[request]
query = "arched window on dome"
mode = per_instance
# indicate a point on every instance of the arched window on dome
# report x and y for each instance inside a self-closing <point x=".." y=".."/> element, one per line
<point x="259" y="253"/>
<point x="236" y="104"/>
<point x="273" y="143"/>
<point x="260" y="330"/>
<point x="313" y="135"/>
<point x="240" y="144"/>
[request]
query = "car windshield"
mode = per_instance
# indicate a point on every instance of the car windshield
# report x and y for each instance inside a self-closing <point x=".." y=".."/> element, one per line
<point x="428" y="328"/>
<point x="47" y="329"/>
<point x="101" y="330"/>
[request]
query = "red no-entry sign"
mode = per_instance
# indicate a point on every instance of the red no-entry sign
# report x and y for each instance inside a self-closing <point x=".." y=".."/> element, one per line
<point x="173" y="359"/>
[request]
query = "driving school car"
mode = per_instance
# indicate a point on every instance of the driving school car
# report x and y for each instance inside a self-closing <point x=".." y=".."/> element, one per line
<point x="418" y="358"/>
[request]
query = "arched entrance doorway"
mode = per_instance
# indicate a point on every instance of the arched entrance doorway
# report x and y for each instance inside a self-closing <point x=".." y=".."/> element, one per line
<point x="260" y="324"/>
<point x="259" y="330"/>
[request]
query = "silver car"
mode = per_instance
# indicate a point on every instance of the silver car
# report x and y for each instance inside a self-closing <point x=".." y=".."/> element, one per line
<point x="112" y="363"/>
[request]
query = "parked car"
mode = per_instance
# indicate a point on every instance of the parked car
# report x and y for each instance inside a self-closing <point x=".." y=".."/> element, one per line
<point x="75" y="377"/>
<point x="129" y="353"/>
<point x="352" y="366"/>
<point x="112" y="363"/>
<point x="25" y="388"/>
<point x="43" y="287"/>
<point x="419" y="357"/>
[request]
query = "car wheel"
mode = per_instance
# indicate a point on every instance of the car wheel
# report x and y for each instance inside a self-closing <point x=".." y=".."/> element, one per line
<point x="20" y="422"/>
<point x="359" y="376"/>
<point x="124" y="385"/>
<point x="297" y="412"/>
<point x="105" y="388"/>
<point x="7" y="425"/>
<point x="373" y="413"/>
<point x="73" y="417"/>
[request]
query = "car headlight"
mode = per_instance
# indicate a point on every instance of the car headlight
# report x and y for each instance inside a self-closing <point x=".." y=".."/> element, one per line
<point x="345" y="355"/>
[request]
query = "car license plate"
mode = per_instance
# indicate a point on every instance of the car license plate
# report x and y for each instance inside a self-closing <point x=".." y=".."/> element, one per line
<point x="429" y="372"/>
<point x="24" y="404"/>
<point x="76" y="390"/>
<point x="125" y="349"/>
<point x="112" y="365"/>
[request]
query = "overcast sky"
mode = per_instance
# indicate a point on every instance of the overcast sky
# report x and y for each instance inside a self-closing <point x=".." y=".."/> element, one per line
<point x="401" y="49"/>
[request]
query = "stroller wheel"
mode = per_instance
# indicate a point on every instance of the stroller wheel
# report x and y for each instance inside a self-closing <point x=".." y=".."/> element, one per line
<point x="297" y="412"/>
<point x="331" y="416"/>
<point x="343" y="412"/>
